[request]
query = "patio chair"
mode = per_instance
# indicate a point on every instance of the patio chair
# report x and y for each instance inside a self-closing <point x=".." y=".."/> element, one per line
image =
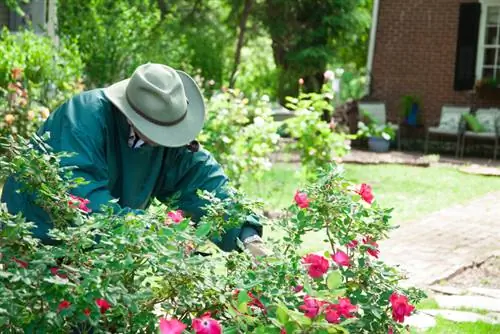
<point x="378" y="113"/>
<point x="449" y="125"/>
<point x="489" y="119"/>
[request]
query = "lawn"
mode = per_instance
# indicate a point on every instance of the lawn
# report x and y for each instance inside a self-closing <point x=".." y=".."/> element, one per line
<point x="413" y="192"/>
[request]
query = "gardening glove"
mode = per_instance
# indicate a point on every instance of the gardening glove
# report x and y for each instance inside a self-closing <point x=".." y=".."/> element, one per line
<point x="256" y="246"/>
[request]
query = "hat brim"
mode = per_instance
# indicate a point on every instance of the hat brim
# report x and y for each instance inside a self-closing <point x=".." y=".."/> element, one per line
<point x="176" y="135"/>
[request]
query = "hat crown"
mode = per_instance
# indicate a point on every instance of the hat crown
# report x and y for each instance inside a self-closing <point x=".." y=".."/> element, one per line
<point x="156" y="92"/>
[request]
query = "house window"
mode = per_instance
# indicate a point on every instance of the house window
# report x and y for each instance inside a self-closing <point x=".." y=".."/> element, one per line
<point x="488" y="60"/>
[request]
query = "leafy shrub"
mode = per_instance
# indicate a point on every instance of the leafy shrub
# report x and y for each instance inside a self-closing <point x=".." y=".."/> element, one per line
<point x="373" y="129"/>
<point x="137" y="273"/>
<point x="239" y="134"/>
<point x="316" y="141"/>
<point x="35" y="76"/>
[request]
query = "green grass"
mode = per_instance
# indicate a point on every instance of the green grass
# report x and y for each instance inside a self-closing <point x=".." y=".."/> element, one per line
<point x="449" y="327"/>
<point x="413" y="192"/>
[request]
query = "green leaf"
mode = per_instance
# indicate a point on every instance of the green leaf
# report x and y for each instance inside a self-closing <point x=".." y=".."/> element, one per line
<point x="243" y="297"/>
<point x="282" y="314"/>
<point x="334" y="280"/>
<point x="307" y="287"/>
<point x="376" y="313"/>
<point x="203" y="230"/>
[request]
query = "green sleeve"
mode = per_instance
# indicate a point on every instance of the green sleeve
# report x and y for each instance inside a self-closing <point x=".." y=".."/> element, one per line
<point x="200" y="171"/>
<point x="76" y="128"/>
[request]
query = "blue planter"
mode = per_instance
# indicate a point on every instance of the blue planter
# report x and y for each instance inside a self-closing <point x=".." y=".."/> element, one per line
<point x="378" y="144"/>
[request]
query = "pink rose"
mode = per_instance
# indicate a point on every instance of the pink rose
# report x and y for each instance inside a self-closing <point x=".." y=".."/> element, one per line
<point x="310" y="307"/>
<point x="373" y="252"/>
<point x="174" y="216"/>
<point x="366" y="193"/>
<point x="341" y="259"/>
<point x="79" y="203"/>
<point x="172" y="326"/>
<point x="301" y="199"/>
<point x="400" y="307"/>
<point x="317" y="265"/>
<point x="206" y="325"/>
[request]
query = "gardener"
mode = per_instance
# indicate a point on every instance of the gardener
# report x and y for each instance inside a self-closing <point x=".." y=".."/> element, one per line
<point x="135" y="141"/>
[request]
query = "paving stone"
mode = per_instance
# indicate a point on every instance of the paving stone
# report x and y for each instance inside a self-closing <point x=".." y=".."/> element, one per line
<point x="440" y="244"/>
<point x="460" y="316"/>
<point x="494" y="293"/>
<point x="447" y="290"/>
<point x="421" y="320"/>
<point x="475" y="302"/>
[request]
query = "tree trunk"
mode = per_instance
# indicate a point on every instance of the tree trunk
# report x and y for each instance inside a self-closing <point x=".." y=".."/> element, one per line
<point x="247" y="7"/>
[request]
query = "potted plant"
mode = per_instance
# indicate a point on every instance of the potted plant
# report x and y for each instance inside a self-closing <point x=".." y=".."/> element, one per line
<point x="488" y="89"/>
<point x="411" y="109"/>
<point x="379" y="135"/>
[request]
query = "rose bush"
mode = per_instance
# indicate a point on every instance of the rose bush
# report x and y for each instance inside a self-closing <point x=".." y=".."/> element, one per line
<point x="141" y="274"/>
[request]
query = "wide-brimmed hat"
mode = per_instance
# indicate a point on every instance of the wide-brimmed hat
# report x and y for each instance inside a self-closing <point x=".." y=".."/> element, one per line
<point x="163" y="104"/>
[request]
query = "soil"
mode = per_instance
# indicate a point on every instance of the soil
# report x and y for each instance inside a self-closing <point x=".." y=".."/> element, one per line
<point x="486" y="275"/>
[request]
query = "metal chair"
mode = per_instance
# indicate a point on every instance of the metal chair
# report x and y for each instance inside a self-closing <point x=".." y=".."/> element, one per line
<point x="449" y="125"/>
<point x="490" y="123"/>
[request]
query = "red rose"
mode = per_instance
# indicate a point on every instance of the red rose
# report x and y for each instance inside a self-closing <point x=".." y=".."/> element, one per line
<point x="352" y="244"/>
<point x="86" y="312"/>
<point x="400" y="307"/>
<point x="103" y="305"/>
<point x="373" y="251"/>
<point x="21" y="264"/>
<point x="366" y="193"/>
<point x="317" y="265"/>
<point x="63" y="305"/>
<point x="301" y="199"/>
<point x="55" y="272"/>
<point x="341" y="259"/>
<point x="310" y="307"/>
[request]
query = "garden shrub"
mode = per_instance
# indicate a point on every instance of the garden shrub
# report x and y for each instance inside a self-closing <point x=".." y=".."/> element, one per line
<point x="241" y="135"/>
<point x="35" y="77"/>
<point x="317" y="141"/>
<point x="138" y="274"/>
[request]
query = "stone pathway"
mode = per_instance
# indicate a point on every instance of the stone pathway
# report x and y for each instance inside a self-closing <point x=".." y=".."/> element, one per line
<point x="446" y="241"/>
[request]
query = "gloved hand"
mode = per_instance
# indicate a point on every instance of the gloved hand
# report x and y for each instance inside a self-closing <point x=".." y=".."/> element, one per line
<point x="256" y="246"/>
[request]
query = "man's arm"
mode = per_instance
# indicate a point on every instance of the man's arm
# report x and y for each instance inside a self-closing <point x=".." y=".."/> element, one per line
<point x="195" y="171"/>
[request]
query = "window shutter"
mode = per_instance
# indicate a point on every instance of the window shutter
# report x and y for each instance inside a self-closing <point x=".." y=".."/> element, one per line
<point x="468" y="32"/>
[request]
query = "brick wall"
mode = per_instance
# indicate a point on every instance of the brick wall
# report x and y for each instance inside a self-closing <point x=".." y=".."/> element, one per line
<point x="415" y="54"/>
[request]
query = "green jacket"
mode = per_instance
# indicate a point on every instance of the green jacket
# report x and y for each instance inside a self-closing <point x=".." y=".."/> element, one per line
<point x="90" y="125"/>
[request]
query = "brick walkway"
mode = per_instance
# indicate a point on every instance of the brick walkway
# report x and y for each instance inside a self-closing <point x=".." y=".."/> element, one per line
<point x="445" y="241"/>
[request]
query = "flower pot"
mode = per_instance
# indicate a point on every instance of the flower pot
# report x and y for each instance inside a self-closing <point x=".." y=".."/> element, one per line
<point x="378" y="144"/>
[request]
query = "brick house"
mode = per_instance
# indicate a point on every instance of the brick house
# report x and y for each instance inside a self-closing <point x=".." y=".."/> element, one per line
<point x="41" y="14"/>
<point x="435" y="49"/>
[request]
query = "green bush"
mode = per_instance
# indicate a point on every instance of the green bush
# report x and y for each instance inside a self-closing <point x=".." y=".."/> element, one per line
<point x="241" y="135"/>
<point x="35" y="77"/>
<point x="317" y="141"/>
<point x="130" y="274"/>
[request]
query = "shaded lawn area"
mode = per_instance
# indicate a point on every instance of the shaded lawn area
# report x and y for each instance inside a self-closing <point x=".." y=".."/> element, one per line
<point x="413" y="192"/>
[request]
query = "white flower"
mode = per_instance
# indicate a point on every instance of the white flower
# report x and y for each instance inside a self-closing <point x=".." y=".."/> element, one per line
<point x="259" y="121"/>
